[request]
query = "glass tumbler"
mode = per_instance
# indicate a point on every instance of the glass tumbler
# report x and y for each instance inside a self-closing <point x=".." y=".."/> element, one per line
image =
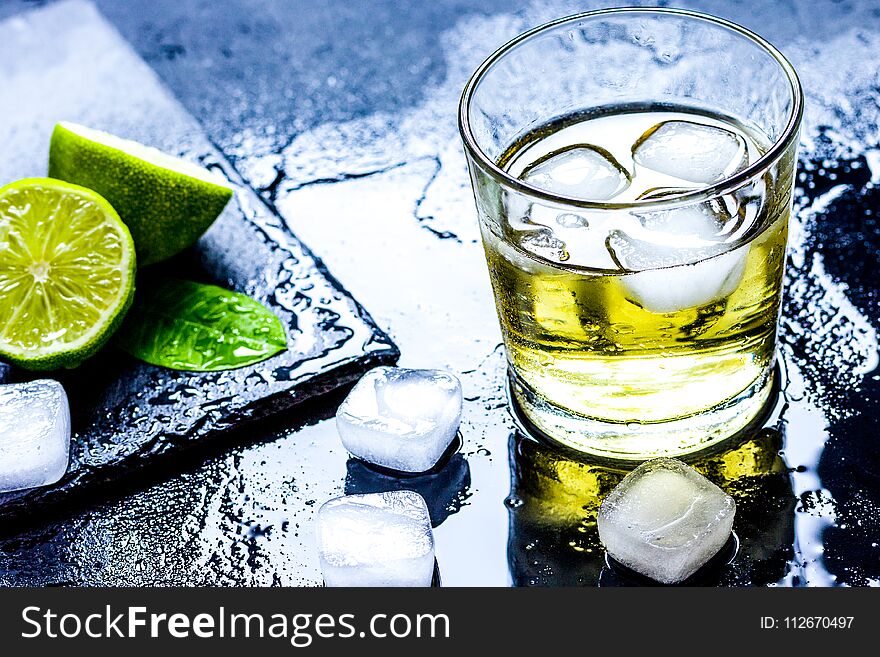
<point x="652" y="344"/>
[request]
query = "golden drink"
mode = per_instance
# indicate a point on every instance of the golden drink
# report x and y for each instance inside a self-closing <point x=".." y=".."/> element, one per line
<point x="634" y="318"/>
<point x="633" y="171"/>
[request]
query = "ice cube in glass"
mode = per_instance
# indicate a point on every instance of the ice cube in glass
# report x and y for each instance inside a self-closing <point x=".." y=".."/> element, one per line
<point x="579" y="171"/>
<point x="679" y="258"/>
<point x="700" y="153"/>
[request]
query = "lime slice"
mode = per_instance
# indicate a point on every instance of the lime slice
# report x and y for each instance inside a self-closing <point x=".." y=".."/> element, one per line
<point x="67" y="266"/>
<point x="166" y="202"/>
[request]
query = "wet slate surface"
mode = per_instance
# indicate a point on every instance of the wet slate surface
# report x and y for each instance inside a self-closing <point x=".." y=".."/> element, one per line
<point x="344" y="118"/>
<point x="127" y="414"/>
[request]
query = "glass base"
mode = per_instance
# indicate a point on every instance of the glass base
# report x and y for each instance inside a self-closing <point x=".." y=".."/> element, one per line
<point x="636" y="441"/>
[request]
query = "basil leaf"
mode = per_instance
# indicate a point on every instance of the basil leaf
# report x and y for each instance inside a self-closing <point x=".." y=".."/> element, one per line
<point x="189" y="326"/>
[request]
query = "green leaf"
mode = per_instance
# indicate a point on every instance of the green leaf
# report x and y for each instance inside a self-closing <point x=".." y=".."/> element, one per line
<point x="189" y="326"/>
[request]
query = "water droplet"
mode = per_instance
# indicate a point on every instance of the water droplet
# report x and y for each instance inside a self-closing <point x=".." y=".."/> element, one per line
<point x="513" y="502"/>
<point x="570" y="220"/>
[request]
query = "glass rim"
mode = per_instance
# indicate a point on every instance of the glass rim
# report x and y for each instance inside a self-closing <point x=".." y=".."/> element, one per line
<point x="725" y="186"/>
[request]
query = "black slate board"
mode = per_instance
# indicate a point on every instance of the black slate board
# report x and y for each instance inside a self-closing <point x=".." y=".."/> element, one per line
<point x="126" y="414"/>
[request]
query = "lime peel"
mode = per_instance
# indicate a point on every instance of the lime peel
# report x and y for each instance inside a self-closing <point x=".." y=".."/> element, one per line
<point x="167" y="202"/>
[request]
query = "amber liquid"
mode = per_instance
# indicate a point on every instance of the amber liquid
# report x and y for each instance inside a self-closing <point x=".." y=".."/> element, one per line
<point x="592" y="338"/>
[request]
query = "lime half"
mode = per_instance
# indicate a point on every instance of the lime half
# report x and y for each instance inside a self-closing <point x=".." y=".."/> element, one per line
<point x="67" y="266"/>
<point x="166" y="202"/>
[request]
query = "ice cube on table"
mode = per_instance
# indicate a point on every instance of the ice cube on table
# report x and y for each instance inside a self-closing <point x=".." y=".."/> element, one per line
<point x="34" y="434"/>
<point x="665" y="520"/>
<point x="377" y="539"/>
<point x="691" y="151"/>
<point x="400" y="418"/>
<point x="581" y="171"/>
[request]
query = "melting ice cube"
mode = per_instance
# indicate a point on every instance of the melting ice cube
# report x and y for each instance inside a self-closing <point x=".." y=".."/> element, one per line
<point x="691" y="151"/>
<point x="579" y="171"/>
<point x="34" y="434"/>
<point x="378" y="539"/>
<point x="679" y="258"/>
<point x="401" y="418"/>
<point x="701" y="222"/>
<point x="674" y="287"/>
<point x="665" y="520"/>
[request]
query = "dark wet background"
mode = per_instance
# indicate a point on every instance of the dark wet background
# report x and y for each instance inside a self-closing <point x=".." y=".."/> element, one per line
<point x="342" y="115"/>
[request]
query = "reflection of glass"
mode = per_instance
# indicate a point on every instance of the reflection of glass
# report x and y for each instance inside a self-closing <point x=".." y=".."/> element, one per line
<point x="555" y="495"/>
<point x="754" y="474"/>
<point x="637" y="283"/>
<point x="445" y="488"/>
<point x="554" y="498"/>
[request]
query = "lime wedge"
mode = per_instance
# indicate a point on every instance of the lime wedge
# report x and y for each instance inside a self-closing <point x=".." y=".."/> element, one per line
<point x="67" y="266"/>
<point x="166" y="202"/>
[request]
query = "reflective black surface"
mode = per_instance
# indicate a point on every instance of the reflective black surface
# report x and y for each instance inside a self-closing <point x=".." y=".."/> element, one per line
<point x="555" y="497"/>
<point x="343" y="115"/>
<point x="125" y="414"/>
